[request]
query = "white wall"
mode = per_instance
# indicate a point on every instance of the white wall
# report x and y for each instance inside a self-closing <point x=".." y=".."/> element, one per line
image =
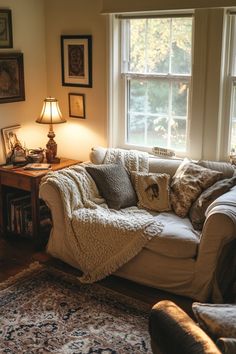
<point x="75" y="17"/>
<point x="28" y="21"/>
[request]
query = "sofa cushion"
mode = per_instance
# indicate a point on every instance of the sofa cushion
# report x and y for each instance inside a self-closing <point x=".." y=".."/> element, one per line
<point x="225" y="167"/>
<point x="152" y="190"/>
<point x="199" y="207"/>
<point x="218" y="320"/>
<point x="227" y="345"/>
<point x="188" y="183"/>
<point x="159" y="165"/>
<point x="178" y="238"/>
<point x="114" y="184"/>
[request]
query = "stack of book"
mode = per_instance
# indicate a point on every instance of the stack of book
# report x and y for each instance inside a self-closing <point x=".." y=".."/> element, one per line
<point x="19" y="217"/>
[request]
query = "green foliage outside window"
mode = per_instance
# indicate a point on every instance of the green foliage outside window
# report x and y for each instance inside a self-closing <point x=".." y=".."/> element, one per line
<point x="159" y="52"/>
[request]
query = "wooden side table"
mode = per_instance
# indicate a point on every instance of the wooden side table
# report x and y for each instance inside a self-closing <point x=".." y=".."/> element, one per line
<point x="26" y="180"/>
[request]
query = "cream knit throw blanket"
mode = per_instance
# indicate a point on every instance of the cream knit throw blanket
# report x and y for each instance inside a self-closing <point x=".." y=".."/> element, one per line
<point x="133" y="160"/>
<point x="101" y="240"/>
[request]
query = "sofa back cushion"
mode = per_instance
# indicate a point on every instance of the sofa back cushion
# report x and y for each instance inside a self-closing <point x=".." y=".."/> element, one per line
<point x="114" y="185"/>
<point x="225" y="167"/>
<point x="152" y="190"/>
<point x="158" y="165"/>
<point x="188" y="183"/>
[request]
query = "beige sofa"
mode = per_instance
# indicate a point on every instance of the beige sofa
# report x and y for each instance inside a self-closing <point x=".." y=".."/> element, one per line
<point x="181" y="260"/>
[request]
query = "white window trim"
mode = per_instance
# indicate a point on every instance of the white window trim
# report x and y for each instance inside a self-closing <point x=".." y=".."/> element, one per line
<point x="227" y="107"/>
<point x="202" y="114"/>
<point x="117" y="102"/>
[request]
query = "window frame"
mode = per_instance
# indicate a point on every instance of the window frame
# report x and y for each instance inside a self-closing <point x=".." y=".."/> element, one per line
<point x="231" y="76"/>
<point x="117" y="82"/>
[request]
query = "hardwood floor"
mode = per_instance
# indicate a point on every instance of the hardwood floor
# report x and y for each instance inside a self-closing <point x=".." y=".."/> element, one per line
<point x="17" y="254"/>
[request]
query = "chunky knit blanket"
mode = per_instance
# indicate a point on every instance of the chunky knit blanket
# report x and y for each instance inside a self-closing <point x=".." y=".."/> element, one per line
<point x="102" y="239"/>
<point x="133" y="160"/>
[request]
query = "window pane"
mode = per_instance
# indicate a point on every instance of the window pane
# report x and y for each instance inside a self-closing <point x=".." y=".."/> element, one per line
<point x="160" y="45"/>
<point x="233" y="121"/>
<point x="157" y="113"/>
<point x="179" y="99"/>
<point x="137" y="46"/>
<point x="181" y="45"/>
<point x="178" y="134"/>
<point x="147" y="130"/>
<point x="136" y="129"/>
<point x="148" y="96"/>
<point x="160" y="133"/>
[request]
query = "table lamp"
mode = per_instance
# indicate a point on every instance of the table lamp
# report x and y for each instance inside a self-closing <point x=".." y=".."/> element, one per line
<point x="51" y="114"/>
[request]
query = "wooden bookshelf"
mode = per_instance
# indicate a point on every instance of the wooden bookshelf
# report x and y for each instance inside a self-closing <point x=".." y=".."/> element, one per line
<point x="24" y="182"/>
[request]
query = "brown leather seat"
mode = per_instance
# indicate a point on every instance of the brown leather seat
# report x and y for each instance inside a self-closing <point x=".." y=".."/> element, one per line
<point x="172" y="331"/>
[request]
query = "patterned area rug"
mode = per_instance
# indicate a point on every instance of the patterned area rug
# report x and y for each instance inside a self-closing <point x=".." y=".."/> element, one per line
<point x="45" y="310"/>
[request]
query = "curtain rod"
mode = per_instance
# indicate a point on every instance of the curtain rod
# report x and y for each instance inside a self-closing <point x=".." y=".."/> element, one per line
<point x="130" y="17"/>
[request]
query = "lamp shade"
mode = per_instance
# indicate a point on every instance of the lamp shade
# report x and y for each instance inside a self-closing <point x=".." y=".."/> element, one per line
<point x="51" y="113"/>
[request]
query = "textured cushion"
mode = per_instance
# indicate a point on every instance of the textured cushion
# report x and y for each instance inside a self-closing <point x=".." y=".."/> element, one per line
<point x="218" y="320"/>
<point x="114" y="185"/>
<point x="152" y="190"/>
<point x="225" y="167"/>
<point x="188" y="183"/>
<point x="199" y="207"/>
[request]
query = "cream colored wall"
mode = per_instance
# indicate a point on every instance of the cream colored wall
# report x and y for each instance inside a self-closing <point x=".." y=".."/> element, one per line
<point x="42" y="64"/>
<point x="78" y="17"/>
<point x="28" y="37"/>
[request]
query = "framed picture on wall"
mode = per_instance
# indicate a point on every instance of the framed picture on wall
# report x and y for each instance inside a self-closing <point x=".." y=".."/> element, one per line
<point x="12" y="88"/>
<point x="76" y="60"/>
<point x="77" y="105"/>
<point x="6" y="40"/>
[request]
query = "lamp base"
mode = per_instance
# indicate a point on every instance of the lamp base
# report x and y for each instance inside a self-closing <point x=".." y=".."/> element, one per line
<point x="51" y="158"/>
<point x="55" y="160"/>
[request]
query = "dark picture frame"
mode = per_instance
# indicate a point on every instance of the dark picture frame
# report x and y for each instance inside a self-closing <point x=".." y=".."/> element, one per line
<point x="6" y="39"/>
<point x="76" y="105"/>
<point x="76" y="60"/>
<point x="12" y="87"/>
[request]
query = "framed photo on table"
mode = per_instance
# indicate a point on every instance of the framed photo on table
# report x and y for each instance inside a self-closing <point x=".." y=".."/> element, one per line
<point x="76" y="60"/>
<point x="10" y="138"/>
<point x="6" y="40"/>
<point x="77" y="105"/>
<point x="12" y="88"/>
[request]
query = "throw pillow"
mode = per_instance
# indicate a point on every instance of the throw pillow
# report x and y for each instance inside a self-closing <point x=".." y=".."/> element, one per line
<point x="114" y="185"/>
<point x="199" y="207"/>
<point x="152" y="190"/>
<point x="218" y="320"/>
<point x="187" y="184"/>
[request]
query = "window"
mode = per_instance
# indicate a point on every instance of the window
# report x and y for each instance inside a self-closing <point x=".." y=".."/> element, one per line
<point x="156" y="72"/>
<point x="232" y="84"/>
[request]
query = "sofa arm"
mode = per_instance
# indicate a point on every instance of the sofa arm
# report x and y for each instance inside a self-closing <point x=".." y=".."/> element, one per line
<point x="52" y="198"/>
<point x="172" y="331"/>
<point x="218" y="231"/>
